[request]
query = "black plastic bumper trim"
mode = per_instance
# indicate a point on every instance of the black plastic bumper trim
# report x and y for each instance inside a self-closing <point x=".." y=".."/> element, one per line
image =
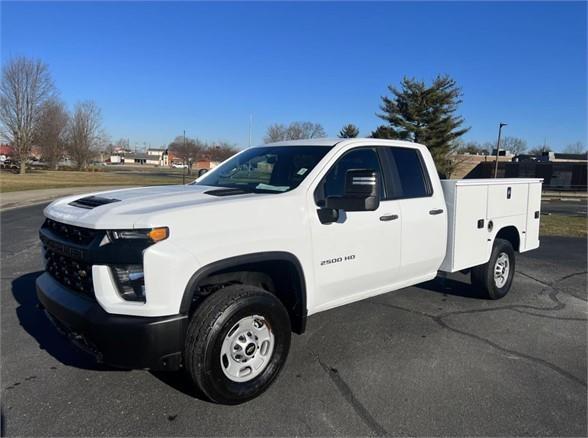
<point x="123" y="341"/>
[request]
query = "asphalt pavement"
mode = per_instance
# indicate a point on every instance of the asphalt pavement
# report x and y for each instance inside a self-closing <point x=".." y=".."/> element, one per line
<point x="577" y="207"/>
<point x="434" y="359"/>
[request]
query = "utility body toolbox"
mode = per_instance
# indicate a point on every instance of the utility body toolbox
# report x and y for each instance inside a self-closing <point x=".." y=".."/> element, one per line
<point x="478" y="208"/>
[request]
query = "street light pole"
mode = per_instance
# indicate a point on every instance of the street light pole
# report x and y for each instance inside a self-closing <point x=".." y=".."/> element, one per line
<point x="498" y="148"/>
<point x="183" y="169"/>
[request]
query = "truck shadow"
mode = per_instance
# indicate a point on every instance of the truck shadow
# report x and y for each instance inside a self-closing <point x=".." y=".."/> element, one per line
<point x="179" y="381"/>
<point x="35" y="322"/>
<point x="458" y="287"/>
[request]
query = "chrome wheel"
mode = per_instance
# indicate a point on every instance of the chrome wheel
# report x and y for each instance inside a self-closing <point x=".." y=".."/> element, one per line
<point x="501" y="270"/>
<point x="247" y="349"/>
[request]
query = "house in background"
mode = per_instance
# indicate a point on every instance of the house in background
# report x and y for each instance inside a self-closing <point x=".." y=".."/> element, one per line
<point x="205" y="163"/>
<point x="151" y="157"/>
<point x="158" y="157"/>
<point x="6" y="152"/>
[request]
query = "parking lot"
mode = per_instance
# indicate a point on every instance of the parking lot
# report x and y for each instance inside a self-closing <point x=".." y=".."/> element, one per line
<point x="435" y="359"/>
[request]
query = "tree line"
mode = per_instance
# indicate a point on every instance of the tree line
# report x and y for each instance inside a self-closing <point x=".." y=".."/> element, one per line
<point x="425" y="114"/>
<point x="31" y="113"/>
<point x="190" y="150"/>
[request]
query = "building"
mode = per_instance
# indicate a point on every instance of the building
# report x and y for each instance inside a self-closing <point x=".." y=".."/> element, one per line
<point x="559" y="171"/>
<point x="463" y="164"/>
<point x="6" y="152"/>
<point x="158" y="157"/>
<point x="151" y="157"/>
<point x="205" y="164"/>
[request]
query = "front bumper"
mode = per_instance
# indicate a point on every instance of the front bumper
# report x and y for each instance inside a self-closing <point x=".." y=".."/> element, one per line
<point x="123" y="341"/>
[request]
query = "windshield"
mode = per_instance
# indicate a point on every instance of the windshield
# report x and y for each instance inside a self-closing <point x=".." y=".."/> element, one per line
<point x="266" y="169"/>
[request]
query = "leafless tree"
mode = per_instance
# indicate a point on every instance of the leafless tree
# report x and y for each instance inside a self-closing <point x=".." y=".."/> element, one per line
<point x="294" y="131"/>
<point x="26" y="85"/>
<point x="540" y="149"/>
<point x="514" y="144"/>
<point x="575" y="148"/>
<point x="303" y="130"/>
<point x="188" y="150"/>
<point x="122" y="144"/>
<point x="84" y="134"/>
<point x="50" y="131"/>
<point x="276" y="132"/>
<point x="220" y="151"/>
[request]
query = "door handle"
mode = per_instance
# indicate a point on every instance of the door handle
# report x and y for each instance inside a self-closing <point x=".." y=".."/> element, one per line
<point x="436" y="211"/>
<point x="388" y="217"/>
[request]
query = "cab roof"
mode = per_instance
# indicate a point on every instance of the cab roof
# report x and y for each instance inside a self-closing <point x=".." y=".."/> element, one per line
<point x="334" y="141"/>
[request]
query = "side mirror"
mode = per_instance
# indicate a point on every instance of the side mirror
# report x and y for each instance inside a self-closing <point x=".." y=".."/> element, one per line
<point x="362" y="192"/>
<point x="328" y="215"/>
<point x="202" y="172"/>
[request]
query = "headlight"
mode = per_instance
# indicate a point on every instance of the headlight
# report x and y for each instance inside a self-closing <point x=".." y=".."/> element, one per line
<point x="130" y="281"/>
<point x="152" y="234"/>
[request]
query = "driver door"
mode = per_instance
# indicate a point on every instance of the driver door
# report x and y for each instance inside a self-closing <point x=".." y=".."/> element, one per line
<point x="359" y="255"/>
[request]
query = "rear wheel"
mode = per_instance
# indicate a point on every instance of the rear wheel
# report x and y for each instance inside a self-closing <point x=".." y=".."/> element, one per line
<point x="495" y="277"/>
<point x="237" y="342"/>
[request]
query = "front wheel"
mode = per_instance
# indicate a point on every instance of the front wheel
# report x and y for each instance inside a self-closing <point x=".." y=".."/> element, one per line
<point x="237" y="342"/>
<point x="495" y="277"/>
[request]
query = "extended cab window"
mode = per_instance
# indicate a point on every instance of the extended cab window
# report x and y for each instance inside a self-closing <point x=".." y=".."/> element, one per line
<point x="333" y="184"/>
<point x="408" y="177"/>
<point x="266" y="169"/>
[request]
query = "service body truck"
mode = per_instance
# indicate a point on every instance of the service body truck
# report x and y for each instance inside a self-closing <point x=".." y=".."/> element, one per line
<point x="213" y="276"/>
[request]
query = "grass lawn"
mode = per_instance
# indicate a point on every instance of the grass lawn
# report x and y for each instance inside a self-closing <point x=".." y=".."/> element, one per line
<point x="559" y="225"/>
<point x="50" y="179"/>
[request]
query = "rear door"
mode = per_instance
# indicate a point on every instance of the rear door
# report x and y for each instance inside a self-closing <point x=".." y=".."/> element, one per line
<point x="423" y="212"/>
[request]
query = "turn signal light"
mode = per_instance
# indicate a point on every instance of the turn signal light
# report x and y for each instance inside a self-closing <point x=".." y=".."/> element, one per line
<point x="158" y="234"/>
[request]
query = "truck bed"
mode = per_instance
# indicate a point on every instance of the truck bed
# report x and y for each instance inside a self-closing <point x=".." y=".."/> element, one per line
<point x="477" y="209"/>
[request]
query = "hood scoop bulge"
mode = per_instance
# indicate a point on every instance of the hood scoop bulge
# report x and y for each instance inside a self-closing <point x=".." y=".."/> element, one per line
<point x="90" y="202"/>
<point x="226" y="192"/>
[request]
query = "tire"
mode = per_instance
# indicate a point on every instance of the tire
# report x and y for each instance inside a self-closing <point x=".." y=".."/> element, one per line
<point x="243" y="321"/>
<point x="483" y="277"/>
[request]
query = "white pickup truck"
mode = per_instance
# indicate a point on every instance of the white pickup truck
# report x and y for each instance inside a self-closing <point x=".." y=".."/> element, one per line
<point x="213" y="276"/>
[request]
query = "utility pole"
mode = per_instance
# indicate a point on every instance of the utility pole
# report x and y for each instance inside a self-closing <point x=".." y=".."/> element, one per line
<point x="498" y="148"/>
<point x="184" y="169"/>
<point x="250" y="128"/>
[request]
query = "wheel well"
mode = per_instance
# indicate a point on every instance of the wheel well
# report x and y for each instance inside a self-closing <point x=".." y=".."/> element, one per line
<point x="282" y="277"/>
<point x="511" y="234"/>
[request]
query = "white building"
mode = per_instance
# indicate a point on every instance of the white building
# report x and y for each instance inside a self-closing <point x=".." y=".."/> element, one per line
<point x="157" y="157"/>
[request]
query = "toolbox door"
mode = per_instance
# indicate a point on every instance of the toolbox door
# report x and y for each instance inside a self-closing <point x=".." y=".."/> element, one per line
<point x="533" y="216"/>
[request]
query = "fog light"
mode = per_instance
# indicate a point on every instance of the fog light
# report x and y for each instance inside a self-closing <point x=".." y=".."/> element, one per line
<point x="130" y="281"/>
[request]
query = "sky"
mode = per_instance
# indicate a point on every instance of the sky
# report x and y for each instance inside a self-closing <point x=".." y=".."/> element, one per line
<point x="156" y="69"/>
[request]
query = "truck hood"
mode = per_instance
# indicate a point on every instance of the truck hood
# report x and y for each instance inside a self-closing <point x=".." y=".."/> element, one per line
<point x="134" y="206"/>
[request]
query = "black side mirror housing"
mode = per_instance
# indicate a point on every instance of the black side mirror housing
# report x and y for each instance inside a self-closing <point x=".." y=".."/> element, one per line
<point x="202" y="172"/>
<point x="328" y="215"/>
<point x="362" y="192"/>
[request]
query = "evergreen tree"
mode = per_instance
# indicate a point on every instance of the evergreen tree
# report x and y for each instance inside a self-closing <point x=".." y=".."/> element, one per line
<point x="349" y="131"/>
<point x="424" y="114"/>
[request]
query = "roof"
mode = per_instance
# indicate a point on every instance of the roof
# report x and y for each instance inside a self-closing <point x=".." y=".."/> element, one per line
<point x="334" y="141"/>
<point x="308" y="142"/>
